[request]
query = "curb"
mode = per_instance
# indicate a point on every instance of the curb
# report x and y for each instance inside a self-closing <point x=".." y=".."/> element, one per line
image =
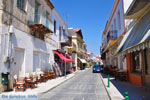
<point x="113" y="92"/>
<point x="57" y="85"/>
<point x="105" y="87"/>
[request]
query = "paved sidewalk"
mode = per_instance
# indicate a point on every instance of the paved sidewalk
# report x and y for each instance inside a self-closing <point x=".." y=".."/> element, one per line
<point x="42" y="88"/>
<point x="118" y="88"/>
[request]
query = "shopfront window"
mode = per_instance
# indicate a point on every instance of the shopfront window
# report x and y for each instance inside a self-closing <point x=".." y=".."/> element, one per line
<point x="136" y="62"/>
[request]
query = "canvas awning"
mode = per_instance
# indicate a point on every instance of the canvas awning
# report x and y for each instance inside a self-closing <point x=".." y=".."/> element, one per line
<point x="137" y="37"/>
<point x="113" y="43"/>
<point x="123" y="41"/>
<point x="82" y="60"/>
<point x="62" y="56"/>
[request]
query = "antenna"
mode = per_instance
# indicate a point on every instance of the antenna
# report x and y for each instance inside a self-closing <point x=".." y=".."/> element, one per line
<point x="66" y="17"/>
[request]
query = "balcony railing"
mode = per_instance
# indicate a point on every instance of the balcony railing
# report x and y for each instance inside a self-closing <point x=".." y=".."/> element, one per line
<point x="39" y="19"/>
<point x="65" y="40"/>
<point x="81" y="50"/>
<point x="112" y="35"/>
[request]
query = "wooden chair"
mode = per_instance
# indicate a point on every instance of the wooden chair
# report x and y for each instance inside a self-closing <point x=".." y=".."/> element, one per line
<point x="123" y="76"/>
<point x="46" y="76"/>
<point x="38" y="78"/>
<point x="19" y="84"/>
<point x="27" y="77"/>
<point x="31" y="82"/>
<point x="52" y="74"/>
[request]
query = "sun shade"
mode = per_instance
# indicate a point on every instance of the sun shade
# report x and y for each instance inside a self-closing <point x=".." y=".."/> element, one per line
<point x="62" y="56"/>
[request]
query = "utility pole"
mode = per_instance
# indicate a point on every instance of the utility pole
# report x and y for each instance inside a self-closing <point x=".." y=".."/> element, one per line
<point x="65" y="64"/>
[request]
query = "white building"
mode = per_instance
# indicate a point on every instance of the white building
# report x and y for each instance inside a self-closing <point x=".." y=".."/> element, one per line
<point x="29" y="32"/>
<point x="114" y="30"/>
<point x="60" y="35"/>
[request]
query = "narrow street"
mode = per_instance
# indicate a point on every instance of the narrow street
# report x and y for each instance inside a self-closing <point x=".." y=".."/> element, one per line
<point x="84" y="86"/>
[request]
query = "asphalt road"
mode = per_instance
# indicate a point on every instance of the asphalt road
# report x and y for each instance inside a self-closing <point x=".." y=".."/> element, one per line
<point x="84" y="86"/>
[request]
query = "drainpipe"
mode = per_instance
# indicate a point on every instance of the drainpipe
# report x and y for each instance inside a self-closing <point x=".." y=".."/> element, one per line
<point x="11" y="31"/>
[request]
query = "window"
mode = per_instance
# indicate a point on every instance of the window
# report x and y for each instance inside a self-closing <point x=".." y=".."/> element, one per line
<point x="36" y="14"/>
<point x="59" y="33"/>
<point x="35" y="60"/>
<point x="47" y="19"/>
<point x="112" y="27"/>
<point x="54" y="26"/>
<point x="145" y="61"/>
<point x="64" y="31"/>
<point x="47" y="58"/>
<point x="21" y="4"/>
<point x="114" y="24"/>
<point x="136" y="62"/>
<point x="119" y="20"/>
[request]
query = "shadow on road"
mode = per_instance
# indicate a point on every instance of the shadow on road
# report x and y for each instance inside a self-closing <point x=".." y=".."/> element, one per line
<point x="135" y="92"/>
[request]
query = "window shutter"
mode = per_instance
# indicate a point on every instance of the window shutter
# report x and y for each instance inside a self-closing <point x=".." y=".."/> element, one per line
<point x="18" y="3"/>
<point x="22" y="4"/>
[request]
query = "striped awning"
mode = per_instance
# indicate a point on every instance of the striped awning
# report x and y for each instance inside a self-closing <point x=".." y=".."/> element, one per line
<point x="137" y="37"/>
<point x="113" y="43"/>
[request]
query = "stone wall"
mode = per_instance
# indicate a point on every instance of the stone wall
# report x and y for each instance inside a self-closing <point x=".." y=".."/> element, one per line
<point x="20" y="18"/>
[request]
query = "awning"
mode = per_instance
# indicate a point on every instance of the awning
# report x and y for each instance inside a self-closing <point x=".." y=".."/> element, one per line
<point x="138" y="37"/>
<point x="113" y="43"/>
<point x="82" y="60"/>
<point x="62" y="56"/>
<point x="123" y="41"/>
<point x="136" y="8"/>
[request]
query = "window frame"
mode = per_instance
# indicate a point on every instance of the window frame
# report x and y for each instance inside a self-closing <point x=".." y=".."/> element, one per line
<point x="55" y="26"/>
<point x="21" y="4"/>
<point x="119" y="20"/>
<point x="136" y="62"/>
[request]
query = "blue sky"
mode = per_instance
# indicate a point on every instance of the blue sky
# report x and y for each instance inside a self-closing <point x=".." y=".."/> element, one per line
<point x="89" y="15"/>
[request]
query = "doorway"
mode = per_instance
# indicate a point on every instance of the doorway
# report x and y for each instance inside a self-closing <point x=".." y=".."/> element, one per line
<point x="18" y="67"/>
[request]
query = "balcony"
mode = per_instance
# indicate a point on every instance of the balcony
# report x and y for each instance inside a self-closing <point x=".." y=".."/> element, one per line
<point x="40" y="24"/>
<point x="112" y="35"/>
<point x="65" y="41"/>
<point x="80" y="50"/>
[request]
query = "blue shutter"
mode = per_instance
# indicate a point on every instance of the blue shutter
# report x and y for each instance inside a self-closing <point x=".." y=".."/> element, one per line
<point x="22" y="4"/>
<point x="18" y="3"/>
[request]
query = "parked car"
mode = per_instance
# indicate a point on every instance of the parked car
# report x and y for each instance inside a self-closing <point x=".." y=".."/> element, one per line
<point x="97" y="68"/>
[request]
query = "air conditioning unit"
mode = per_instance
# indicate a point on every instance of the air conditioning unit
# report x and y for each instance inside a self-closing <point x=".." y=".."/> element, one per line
<point x="7" y="59"/>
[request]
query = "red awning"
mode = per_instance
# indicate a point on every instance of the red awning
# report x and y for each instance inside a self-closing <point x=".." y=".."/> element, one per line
<point x="62" y="56"/>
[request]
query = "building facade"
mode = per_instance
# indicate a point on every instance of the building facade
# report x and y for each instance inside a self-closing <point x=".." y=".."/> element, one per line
<point x="78" y="48"/>
<point x="29" y="34"/>
<point x="136" y="43"/>
<point x="114" y="30"/>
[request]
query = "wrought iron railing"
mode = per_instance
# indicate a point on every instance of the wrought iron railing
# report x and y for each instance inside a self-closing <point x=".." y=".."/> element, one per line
<point x="40" y="19"/>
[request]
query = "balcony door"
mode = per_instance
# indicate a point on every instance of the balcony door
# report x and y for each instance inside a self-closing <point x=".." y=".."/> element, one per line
<point x="59" y="33"/>
<point x="18" y="64"/>
<point x="36" y="15"/>
<point x="47" y="19"/>
<point x="35" y="61"/>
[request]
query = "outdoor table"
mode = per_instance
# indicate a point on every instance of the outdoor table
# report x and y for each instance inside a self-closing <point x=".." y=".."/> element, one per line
<point x="20" y="84"/>
<point x="43" y="78"/>
<point x="30" y="82"/>
<point x="121" y="75"/>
